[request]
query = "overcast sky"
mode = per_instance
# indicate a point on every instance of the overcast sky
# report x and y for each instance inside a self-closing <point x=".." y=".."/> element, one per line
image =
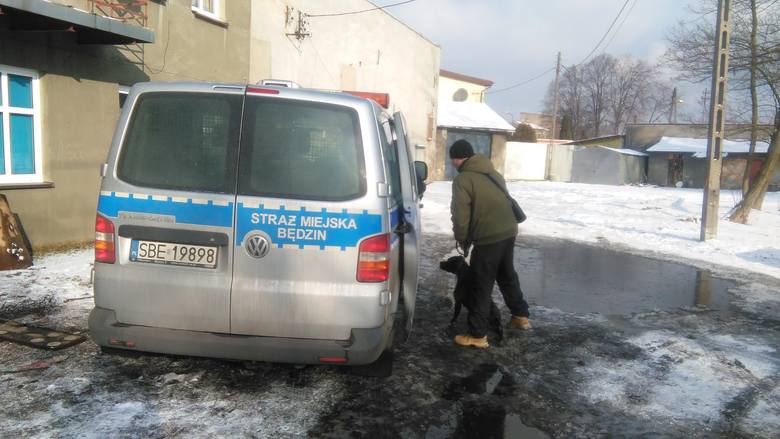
<point x="509" y="41"/>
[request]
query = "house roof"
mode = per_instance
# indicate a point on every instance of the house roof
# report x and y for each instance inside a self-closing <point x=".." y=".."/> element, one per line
<point x="465" y="78"/>
<point x="698" y="147"/>
<point x="471" y="115"/>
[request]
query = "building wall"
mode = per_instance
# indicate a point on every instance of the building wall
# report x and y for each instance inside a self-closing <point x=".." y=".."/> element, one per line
<point x="79" y="103"/>
<point x="695" y="171"/>
<point x="525" y="161"/>
<point x="633" y="169"/>
<point x="595" y="166"/>
<point x="498" y="147"/>
<point x="561" y="159"/>
<point x="368" y="52"/>
<point x="448" y="87"/>
<point x="604" y="166"/>
<point x="658" y="169"/>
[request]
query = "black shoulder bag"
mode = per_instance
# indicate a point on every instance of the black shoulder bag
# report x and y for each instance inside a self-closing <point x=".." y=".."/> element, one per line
<point x="516" y="209"/>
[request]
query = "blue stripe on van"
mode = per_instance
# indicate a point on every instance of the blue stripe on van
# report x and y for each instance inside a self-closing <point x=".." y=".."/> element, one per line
<point x="306" y="227"/>
<point x="187" y="213"/>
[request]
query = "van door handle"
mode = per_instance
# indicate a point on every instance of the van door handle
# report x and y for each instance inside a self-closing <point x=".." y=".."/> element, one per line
<point x="403" y="229"/>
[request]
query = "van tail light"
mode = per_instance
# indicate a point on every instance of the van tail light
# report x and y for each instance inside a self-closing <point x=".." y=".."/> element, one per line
<point x="104" y="240"/>
<point x="374" y="259"/>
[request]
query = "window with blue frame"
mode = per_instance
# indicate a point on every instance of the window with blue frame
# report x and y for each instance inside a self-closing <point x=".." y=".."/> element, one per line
<point x="20" y="146"/>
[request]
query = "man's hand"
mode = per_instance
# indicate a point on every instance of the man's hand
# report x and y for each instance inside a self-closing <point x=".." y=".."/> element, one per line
<point x="465" y="247"/>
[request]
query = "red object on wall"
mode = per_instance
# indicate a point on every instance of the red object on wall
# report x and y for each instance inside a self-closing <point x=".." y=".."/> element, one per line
<point x="382" y="99"/>
<point x="755" y="168"/>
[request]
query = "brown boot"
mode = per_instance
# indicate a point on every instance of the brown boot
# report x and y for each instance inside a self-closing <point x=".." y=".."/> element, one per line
<point x="518" y="322"/>
<point x="467" y="340"/>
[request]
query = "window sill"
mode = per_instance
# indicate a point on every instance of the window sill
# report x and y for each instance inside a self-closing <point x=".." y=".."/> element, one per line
<point x="13" y="186"/>
<point x="209" y="17"/>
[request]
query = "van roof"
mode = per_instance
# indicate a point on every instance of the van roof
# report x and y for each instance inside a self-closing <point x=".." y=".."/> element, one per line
<point x="332" y="96"/>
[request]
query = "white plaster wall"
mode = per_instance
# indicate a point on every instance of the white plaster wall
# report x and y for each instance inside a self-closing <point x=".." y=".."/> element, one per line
<point x="525" y="161"/>
<point x="561" y="158"/>
<point x="448" y="87"/>
<point x="367" y="52"/>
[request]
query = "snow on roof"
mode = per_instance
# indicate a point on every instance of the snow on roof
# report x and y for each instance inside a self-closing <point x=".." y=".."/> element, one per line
<point x="475" y="115"/>
<point x="625" y="151"/>
<point x="699" y="146"/>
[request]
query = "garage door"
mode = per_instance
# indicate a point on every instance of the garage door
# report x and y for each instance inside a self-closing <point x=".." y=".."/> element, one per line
<point x="480" y="142"/>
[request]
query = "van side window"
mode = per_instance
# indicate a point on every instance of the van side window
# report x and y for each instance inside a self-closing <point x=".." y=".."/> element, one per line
<point x="182" y="141"/>
<point x="303" y="150"/>
<point x="391" y="162"/>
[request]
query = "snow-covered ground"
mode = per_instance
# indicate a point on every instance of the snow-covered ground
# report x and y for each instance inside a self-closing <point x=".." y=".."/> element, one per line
<point x="643" y="219"/>
<point x="676" y="373"/>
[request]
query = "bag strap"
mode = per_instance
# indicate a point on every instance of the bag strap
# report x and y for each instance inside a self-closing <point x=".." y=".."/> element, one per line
<point x="471" y="213"/>
<point x="503" y="189"/>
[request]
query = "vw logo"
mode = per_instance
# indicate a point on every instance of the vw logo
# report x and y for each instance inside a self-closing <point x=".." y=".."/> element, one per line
<point x="257" y="246"/>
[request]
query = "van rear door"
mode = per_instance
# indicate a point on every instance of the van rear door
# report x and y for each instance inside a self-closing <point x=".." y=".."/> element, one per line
<point x="301" y="213"/>
<point x="170" y="196"/>
<point x="412" y="233"/>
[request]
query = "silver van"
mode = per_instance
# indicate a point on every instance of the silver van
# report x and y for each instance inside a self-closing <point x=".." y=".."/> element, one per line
<point x="256" y="223"/>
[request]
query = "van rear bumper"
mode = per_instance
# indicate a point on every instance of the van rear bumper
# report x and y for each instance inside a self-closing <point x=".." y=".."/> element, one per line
<point x="363" y="347"/>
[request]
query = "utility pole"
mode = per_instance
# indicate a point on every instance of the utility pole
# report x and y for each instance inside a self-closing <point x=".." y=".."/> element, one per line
<point x="673" y="107"/>
<point x="717" y="125"/>
<point x="554" y="116"/>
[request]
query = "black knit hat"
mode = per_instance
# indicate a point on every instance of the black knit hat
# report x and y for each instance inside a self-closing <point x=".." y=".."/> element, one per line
<point x="461" y="149"/>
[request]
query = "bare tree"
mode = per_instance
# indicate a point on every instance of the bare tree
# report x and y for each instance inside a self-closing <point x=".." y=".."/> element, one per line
<point x="603" y="95"/>
<point x="597" y="75"/>
<point x="572" y="101"/>
<point x="754" y="68"/>
<point x="629" y="90"/>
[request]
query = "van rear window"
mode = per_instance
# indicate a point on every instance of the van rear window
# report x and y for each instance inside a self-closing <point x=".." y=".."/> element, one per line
<point x="182" y="141"/>
<point x="299" y="149"/>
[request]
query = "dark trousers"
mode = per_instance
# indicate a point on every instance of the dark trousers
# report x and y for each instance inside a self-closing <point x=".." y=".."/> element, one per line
<point x="493" y="263"/>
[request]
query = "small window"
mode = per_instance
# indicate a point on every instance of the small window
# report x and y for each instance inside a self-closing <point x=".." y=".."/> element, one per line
<point x="182" y="141"/>
<point x="21" y="158"/>
<point x="300" y="150"/>
<point x="460" y="95"/>
<point x="209" y="8"/>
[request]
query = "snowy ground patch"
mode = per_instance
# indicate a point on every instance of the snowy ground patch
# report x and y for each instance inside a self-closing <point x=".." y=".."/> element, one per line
<point x="650" y="220"/>
<point x="680" y="379"/>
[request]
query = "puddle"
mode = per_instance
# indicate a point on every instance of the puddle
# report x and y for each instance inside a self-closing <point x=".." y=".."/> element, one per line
<point x="489" y="420"/>
<point x="483" y="414"/>
<point x="514" y="428"/>
<point x="583" y="279"/>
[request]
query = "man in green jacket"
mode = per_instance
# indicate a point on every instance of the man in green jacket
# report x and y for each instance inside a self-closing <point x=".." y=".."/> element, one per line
<point x="482" y="215"/>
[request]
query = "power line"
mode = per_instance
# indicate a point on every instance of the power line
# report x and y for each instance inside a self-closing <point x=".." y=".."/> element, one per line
<point x="338" y="14"/>
<point x="617" y="29"/>
<point x="584" y="59"/>
<point x="605" y="33"/>
<point x="522" y="83"/>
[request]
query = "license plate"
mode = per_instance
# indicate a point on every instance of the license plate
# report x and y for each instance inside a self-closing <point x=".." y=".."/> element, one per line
<point x="173" y="254"/>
